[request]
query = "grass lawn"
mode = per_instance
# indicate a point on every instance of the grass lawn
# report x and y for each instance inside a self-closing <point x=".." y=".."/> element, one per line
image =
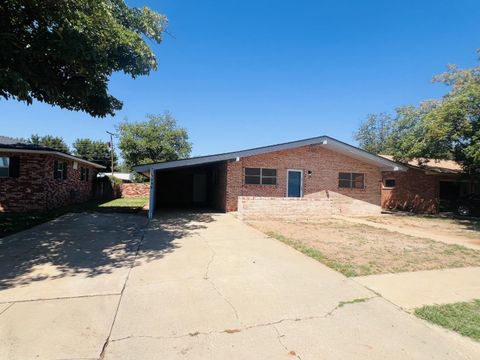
<point x="11" y="223"/>
<point x="463" y="318"/>
<point x="358" y="250"/>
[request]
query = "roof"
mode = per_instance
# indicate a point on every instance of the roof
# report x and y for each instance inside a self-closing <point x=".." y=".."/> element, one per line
<point x="118" y="175"/>
<point x="20" y="146"/>
<point x="326" y="141"/>
<point x="433" y="165"/>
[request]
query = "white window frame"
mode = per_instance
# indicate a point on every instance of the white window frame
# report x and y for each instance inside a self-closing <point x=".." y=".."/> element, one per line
<point x="60" y="169"/>
<point x="301" y="180"/>
<point x="6" y="167"/>
<point x="351" y="180"/>
<point x="261" y="176"/>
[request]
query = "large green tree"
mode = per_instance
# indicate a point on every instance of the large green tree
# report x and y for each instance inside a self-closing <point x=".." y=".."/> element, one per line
<point x="454" y="125"/>
<point x="373" y="133"/>
<point x="63" y="52"/>
<point x="448" y="128"/>
<point x="54" y="142"/>
<point x="95" y="151"/>
<point x="155" y="140"/>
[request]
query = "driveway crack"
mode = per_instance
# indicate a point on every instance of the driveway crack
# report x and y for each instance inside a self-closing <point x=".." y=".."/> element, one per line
<point x="279" y="339"/>
<point x="137" y="250"/>
<point x="207" y="278"/>
<point x="8" y="307"/>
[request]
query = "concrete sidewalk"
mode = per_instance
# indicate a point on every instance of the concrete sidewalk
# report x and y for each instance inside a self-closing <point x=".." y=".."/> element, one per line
<point x="450" y="239"/>
<point x="414" y="289"/>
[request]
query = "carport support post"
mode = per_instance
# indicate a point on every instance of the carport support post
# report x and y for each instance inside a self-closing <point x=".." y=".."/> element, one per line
<point x="151" y="204"/>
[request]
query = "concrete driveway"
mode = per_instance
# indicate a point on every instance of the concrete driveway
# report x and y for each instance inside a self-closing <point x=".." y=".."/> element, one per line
<point x="192" y="286"/>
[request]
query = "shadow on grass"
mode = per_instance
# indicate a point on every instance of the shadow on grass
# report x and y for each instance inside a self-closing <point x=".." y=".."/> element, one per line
<point x="90" y="244"/>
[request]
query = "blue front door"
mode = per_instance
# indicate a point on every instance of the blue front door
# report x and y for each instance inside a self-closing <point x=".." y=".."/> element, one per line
<point x="294" y="183"/>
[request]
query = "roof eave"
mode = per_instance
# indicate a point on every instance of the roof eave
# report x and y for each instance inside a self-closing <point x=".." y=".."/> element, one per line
<point x="57" y="153"/>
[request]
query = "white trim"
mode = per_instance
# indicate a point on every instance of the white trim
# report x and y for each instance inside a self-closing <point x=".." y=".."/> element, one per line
<point x="301" y="180"/>
<point x="56" y="153"/>
<point x="325" y="141"/>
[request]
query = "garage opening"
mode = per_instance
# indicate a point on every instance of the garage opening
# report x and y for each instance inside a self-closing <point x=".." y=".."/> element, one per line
<point x="191" y="187"/>
<point x="450" y="191"/>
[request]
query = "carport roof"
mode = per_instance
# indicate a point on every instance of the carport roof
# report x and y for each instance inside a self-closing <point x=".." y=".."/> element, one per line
<point x="326" y="141"/>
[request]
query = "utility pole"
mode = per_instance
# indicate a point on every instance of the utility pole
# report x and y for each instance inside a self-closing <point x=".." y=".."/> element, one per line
<point x="111" y="147"/>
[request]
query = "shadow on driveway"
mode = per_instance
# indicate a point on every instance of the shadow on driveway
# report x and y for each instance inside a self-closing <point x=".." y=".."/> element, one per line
<point x="89" y="244"/>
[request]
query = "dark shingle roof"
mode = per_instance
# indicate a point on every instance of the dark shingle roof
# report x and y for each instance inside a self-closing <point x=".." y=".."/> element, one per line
<point x="7" y="142"/>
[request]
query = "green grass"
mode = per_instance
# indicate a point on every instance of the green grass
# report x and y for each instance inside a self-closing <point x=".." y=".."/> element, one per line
<point x="354" y="301"/>
<point x="11" y="223"/>
<point x="125" y="202"/>
<point x="463" y="318"/>
<point x="344" y="268"/>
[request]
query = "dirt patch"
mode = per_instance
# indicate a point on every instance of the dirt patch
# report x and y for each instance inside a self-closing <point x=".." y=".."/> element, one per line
<point x="443" y="226"/>
<point x="357" y="250"/>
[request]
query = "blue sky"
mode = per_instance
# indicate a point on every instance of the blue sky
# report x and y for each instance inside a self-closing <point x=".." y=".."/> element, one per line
<point x="247" y="73"/>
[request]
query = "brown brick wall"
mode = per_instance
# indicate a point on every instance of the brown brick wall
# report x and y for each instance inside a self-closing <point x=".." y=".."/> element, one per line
<point x="414" y="191"/>
<point x="135" y="190"/>
<point x="35" y="189"/>
<point x="323" y="182"/>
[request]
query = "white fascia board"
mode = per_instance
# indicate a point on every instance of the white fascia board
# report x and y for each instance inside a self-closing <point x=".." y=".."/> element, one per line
<point x="330" y="143"/>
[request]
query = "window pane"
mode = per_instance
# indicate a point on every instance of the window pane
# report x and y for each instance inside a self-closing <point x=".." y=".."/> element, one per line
<point x="4" y="162"/>
<point x="252" y="179"/>
<point x="269" y="180"/>
<point x="357" y="177"/>
<point x="269" y="172"/>
<point x="344" y="183"/>
<point x="358" y="184"/>
<point x="3" y="171"/>
<point x="252" y="171"/>
<point x="344" y="176"/>
<point x="390" y="183"/>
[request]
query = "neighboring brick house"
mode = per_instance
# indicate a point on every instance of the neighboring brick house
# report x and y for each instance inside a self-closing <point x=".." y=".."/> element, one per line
<point x="426" y="187"/>
<point x="321" y="174"/>
<point x="37" y="178"/>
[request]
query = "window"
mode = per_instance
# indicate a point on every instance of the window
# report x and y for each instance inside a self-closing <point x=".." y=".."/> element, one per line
<point x="4" y="166"/>
<point x="84" y="172"/>
<point x="351" y="181"/>
<point x="389" y="183"/>
<point x="60" y="170"/>
<point x="259" y="176"/>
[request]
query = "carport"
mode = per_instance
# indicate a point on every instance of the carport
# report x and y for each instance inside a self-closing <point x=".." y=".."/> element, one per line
<point x="187" y="184"/>
<point x="191" y="187"/>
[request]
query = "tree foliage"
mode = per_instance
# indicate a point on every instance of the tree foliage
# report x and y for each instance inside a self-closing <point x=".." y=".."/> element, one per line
<point x="63" y="52"/>
<point x="155" y="140"/>
<point x="373" y="133"/>
<point x="50" y="141"/>
<point x="95" y="151"/>
<point x="445" y="129"/>
<point x="454" y="125"/>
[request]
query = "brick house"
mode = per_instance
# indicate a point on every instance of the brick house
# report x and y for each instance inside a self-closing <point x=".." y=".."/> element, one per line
<point x="316" y="176"/>
<point x="37" y="178"/>
<point x="426" y="187"/>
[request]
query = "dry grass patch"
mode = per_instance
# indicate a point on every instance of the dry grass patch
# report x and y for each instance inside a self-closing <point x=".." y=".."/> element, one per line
<point x="357" y="250"/>
<point x="436" y="225"/>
